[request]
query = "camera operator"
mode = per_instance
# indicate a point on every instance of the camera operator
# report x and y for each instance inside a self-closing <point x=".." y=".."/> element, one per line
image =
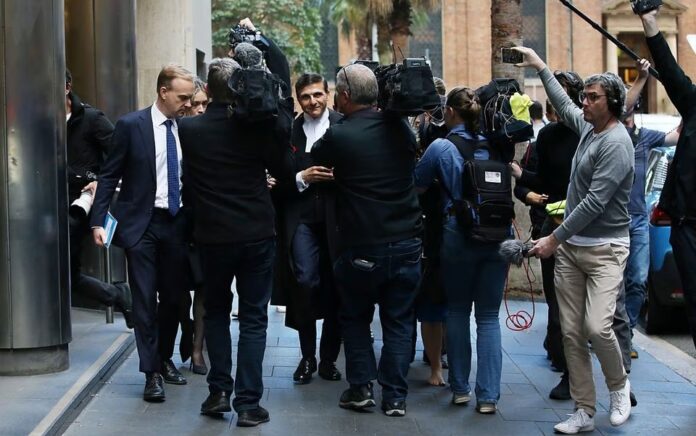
<point x="592" y="243"/>
<point x="276" y="62"/>
<point x="372" y="156"/>
<point x="678" y="197"/>
<point x="224" y="167"/>
<point x="88" y="141"/>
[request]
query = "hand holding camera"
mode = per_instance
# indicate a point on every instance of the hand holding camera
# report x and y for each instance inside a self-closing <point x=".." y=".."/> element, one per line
<point x="641" y="7"/>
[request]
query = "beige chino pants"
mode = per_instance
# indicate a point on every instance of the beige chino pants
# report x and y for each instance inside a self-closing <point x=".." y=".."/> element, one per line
<point x="588" y="280"/>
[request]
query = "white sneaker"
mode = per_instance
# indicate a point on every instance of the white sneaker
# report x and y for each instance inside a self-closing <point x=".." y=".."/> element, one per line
<point x="620" y="405"/>
<point x="578" y="421"/>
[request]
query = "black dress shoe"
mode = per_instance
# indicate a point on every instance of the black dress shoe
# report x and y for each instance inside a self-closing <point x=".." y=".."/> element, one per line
<point x="172" y="375"/>
<point x="154" y="388"/>
<point x="562" y="390"/>
<point x="304" y="371"/>
<point x="328" y="371"/>
<point x="217" y="403"/>
<point x="252" y="417"/>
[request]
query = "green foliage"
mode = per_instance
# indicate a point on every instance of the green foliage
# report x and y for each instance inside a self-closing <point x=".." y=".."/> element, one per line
<point x="294" y="25"/>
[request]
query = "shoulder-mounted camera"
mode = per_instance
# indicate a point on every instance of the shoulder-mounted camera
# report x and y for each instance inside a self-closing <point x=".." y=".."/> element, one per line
<point x="407" y="88"/>
<point x="239" y="34"/>
<point x="641" y="7"/>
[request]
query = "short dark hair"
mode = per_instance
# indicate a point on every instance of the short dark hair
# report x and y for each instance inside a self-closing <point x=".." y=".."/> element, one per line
<point x="615" y="90"/>
<point x="536" y="111"/>
<point x="310" y="79"/>
<point x="573" y="84"/>
<point x="68" y="77"/>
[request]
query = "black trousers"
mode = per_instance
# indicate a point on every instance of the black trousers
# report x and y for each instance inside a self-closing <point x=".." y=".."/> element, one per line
<point x="83" y="284"/>
<point x="157" y="270"/>
<point x="314" y="274"/>
<point x="251" y="263"/>
<point x="683" y="240"/>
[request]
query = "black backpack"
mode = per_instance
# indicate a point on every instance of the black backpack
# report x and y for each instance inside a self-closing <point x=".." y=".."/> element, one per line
<point x="486" y="209"/>
<point x="498" y="124"/>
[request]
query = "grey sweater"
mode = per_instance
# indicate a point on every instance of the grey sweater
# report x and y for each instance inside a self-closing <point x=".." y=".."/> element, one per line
<point x="601" y="173"/>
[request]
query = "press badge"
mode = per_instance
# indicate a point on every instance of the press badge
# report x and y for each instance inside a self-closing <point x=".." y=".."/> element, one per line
<point x="493" y="177"/>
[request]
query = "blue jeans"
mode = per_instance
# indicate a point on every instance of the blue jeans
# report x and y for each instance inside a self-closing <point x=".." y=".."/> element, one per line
<point x="473" y="274"/>
<point x="636" y="274"/>
<point x="252" y="264"/>
<point x="389" y="275"/>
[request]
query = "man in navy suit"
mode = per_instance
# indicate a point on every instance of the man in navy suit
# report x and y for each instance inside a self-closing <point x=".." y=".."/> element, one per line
<point x="146" y="157"/>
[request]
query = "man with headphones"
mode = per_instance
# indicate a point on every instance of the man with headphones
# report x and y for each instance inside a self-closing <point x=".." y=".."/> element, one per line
<point x="592" y="244"/>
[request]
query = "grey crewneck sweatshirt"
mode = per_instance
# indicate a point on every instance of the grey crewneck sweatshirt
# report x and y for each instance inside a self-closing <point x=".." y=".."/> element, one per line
<point x="601" y="173"/>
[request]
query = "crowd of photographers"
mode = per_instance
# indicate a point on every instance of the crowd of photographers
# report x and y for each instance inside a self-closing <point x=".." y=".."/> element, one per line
<point x="391" y="199"/>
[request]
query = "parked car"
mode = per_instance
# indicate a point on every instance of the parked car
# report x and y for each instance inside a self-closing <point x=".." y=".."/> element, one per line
<point x="665" y="294"/>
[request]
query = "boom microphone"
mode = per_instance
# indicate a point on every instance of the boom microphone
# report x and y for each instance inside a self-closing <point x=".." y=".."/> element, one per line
<point x="514" y="251"/>
<point x="247" y="55"/>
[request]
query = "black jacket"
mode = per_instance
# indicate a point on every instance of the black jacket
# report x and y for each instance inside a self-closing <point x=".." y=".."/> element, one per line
<point x="373" y="156"/>
<point x="224" y="162"/>
<point x="316" y="204"/>
<point x="88" y="141"/>
<point x="678" y="197"/>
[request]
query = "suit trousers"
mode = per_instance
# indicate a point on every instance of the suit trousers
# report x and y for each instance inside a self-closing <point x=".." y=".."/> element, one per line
<point x="588" y="281"/>
<point x="314" y="274"/>
<point x="105" y="293"/>
<point x="251" y="263"/>
<point x="157" y="270"/>
<point x="683" y="240"/>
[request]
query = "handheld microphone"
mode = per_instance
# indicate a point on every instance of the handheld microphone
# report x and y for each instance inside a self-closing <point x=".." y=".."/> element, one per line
<point x="515" y="251"/>
<point x="247" y="55"/>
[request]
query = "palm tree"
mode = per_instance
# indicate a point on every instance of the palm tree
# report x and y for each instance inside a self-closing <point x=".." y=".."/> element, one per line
<point x="506" y="31"/>
<point x="393" y="19"/>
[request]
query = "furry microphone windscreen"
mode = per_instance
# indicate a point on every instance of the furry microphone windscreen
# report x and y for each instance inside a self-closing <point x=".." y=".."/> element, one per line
<point x="247" y="55"/>
<point x="514" y="251"/>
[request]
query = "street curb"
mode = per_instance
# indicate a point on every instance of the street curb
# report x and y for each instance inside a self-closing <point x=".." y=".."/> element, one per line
<point x="56" y="418"/>
<point x="668" y="354"/>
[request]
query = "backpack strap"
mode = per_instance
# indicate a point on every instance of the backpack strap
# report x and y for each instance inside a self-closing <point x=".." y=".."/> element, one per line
<point x="466" y="147"/>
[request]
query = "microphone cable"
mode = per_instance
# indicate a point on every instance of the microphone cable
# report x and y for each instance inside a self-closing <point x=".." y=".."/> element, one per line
<point x="520" y="320"/>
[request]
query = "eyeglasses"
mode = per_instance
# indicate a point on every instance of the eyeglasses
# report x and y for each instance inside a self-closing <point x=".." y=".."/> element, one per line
<point x="592" y="97"/>
<point x="345" y="74"/>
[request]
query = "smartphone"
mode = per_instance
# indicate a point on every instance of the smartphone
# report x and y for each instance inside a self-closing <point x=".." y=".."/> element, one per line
<point x="511" y="56"/>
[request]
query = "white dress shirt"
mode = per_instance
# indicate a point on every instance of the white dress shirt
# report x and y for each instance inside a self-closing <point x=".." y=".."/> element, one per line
<point x="314" y="129"/>
<point x="160" y="130"/>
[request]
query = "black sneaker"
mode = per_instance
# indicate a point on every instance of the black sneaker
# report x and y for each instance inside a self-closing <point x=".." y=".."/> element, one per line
<point x="358" y="397"/>
<point x="252" y="417"/>
<point x="562" y="390"/>
<point x="394" y="408"/>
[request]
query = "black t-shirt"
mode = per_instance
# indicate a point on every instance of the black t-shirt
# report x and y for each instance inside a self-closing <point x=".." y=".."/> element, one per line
<point x="555" y="148"/>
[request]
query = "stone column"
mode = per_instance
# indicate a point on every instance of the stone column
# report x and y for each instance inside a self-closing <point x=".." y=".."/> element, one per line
<point x="34" y="268"/>
<point x="612" y="57"/>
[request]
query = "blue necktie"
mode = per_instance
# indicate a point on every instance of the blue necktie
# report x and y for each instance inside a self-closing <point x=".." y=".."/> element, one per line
<point x="172" y="171"/>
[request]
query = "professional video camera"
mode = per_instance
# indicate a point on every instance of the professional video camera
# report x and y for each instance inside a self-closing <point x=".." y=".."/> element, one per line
<point x="641" y="7"/>
<point x="239" y="34"/>
<point x="407" y="88"/>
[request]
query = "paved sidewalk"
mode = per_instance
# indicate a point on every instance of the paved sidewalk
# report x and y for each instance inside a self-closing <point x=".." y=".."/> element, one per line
<point x="40" y="402"/>
<point x="667" y="401"/>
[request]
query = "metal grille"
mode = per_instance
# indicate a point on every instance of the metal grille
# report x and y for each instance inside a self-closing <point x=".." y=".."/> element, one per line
<point x="426" y="41"/>
<point x="329" y="48"/>
<point x="534" y="28"/>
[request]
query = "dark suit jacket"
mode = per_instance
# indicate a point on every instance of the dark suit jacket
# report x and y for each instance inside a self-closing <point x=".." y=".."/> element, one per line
<point x="132" y="160"/>
<point x="678" y="197"/>
<point x="373" y="155"/>
<point x="295" y="207"/>
<point x="224" y="175"/>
